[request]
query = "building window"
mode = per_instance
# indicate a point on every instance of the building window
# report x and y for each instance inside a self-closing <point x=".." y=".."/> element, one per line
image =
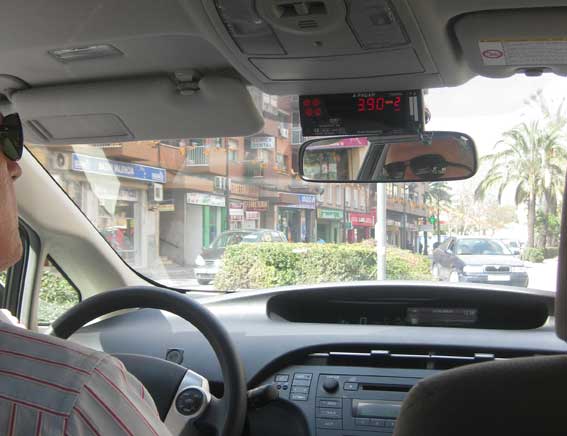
<point x="339" y="195"/>
<point x="355" y="195"/>
<point x="329" y="193"/>
<point x="347" y="196"/>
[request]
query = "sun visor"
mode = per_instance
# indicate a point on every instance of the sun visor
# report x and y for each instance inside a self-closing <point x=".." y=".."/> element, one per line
<point x="138" y="109"/>
<point x="502" y="43"/>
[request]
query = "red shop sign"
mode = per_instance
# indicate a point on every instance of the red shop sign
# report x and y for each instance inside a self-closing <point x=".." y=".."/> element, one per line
<point x="362" y="219"/>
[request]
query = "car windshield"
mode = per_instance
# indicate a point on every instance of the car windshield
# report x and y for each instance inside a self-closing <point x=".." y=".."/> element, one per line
<point x="162" y="204"/>
<point x="228" y="238"/>
<point x="480" y="246"/>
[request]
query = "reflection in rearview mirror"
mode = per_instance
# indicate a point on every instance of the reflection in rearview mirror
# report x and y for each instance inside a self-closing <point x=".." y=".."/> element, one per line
<point x="439" y="156"/>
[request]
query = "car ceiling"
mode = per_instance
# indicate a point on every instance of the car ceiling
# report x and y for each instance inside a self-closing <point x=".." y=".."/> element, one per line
<point x="326" y="55"/>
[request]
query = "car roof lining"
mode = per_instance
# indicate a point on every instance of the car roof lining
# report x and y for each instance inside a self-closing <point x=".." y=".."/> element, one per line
<point x="165" y="38"/>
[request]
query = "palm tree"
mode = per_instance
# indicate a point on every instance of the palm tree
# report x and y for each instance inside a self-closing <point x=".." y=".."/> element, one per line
<point x="437" y="194"/>
<point x="530" y="159"/>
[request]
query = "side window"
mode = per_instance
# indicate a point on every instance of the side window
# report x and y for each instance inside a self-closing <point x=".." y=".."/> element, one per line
<point x="3" y="279"/>
<point x="56" y="294"/>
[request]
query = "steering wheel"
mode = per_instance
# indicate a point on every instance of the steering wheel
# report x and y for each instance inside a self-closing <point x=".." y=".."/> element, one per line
<point x="182" y="396"/>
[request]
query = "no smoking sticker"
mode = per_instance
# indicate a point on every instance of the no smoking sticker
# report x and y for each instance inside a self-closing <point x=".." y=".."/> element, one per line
<point x="492" y="53"/>
<point x="525" y="52"/>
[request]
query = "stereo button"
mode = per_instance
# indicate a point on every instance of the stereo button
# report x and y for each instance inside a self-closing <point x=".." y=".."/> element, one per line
<point x="298" y="376"/>
<point x="362" y="421"/>
<point x="330" y="413"/>
<point x="350" y="386"/>
<point x="390" y="423"/>
<point x="329" y="423"/>
<point x="377" y="422"/>
<point x="300" y="389"/>
<point x="335" y="404"/>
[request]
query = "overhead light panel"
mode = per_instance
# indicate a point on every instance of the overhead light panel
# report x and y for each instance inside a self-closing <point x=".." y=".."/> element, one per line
<point x="84" y="53"/>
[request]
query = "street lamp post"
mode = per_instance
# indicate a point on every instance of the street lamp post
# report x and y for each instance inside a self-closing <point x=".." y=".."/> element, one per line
<point x="404" y="219"/>
<point x="380" y="231"/>
<point x="227" y="185"/>
<point x="345" y="231"/>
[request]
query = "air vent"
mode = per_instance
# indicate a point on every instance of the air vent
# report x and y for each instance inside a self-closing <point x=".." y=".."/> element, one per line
<point x="410" y="358"/>
<point x="307" y="24"/>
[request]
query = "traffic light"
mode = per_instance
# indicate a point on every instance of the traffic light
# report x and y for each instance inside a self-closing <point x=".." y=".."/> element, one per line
<point x="432" y="219"/>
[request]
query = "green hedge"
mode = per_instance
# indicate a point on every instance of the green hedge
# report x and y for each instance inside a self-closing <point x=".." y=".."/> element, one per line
<point x="551" y="252"/>
<point x="535" y="255"/>
<point x="56" y="296"/>
<point x="254" y="266"/>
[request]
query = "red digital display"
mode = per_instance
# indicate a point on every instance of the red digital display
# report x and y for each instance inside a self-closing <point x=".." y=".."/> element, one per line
<point x="378" y="104"/>
<point x="358" y="113"/>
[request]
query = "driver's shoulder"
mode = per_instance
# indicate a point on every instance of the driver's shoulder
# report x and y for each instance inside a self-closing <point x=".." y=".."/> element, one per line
<point x="57" y="369"/>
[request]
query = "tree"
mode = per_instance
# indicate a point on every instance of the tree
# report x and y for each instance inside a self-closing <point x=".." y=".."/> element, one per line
<point x="555" y="119"/>
<point x="548" y="228"/>
<point x="530" y="159"/>
<point x="437" y="195"/>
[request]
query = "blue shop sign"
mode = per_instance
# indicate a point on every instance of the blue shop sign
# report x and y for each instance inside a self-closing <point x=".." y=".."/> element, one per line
<point x="97" y="165"/>
<point x="307" y="200"/>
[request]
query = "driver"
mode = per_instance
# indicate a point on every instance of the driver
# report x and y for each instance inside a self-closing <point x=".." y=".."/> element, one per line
<point x="50" y="386"/>
<point x="456" y="158"/>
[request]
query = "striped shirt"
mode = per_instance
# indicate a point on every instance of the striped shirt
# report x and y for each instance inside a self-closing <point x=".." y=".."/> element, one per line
<point x="51" y="387"/>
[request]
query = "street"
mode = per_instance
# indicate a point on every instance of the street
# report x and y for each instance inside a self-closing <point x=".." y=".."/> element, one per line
<point x="542" y="276"/>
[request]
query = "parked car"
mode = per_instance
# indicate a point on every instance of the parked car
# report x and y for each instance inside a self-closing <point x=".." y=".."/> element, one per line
<point x="210" y="260"/>
<point x="513" y="245"/>
<point x="478" y="260"/>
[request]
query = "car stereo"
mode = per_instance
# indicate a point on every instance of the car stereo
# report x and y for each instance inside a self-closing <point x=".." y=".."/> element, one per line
<point x="339" y="401"/>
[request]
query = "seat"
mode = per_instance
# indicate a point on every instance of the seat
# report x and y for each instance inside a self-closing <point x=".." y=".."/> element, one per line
<point x="522" y="396"/>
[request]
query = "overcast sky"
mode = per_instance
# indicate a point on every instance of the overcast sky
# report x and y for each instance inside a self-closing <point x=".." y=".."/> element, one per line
<point x="485" y="108"/>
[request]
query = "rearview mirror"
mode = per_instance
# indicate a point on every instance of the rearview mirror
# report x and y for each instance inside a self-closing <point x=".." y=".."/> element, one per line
<point x="438" y="156"/>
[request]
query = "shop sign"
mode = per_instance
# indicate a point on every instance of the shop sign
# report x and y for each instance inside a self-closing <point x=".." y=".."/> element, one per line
<point x="236" y="205"/>
<point x="330" y="214"/>
<point x="205" y="199"/>
<point x="362" y="219"/>
<point x="236" y="218"/>
<point x="166" y="207"/>
<point x="258" y="205"/>
<point x="236" y="212"/>
<point x="252" y="216"/>
<point x="298" y="201"/>
<point x="97" y="165"/>
<point x="263" y="142"/>
<point x="109" y="192"/>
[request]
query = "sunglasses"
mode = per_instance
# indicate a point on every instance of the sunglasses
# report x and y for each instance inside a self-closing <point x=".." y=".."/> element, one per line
<point x="12" y="137"/>
<point x="426" y="166"/>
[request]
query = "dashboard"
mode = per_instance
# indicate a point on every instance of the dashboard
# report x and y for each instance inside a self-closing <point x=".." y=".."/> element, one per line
<point x="342" y="358"/>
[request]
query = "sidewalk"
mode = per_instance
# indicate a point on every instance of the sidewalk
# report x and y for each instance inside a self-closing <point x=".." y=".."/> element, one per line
<point x="543" y="275"/>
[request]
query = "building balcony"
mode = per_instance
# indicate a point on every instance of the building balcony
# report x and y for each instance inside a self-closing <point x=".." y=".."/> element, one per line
<point x="148" y="153"/>
<point x="410" y="207"/>
<point x="211" y="160"/>
<point x="197" y="156"/>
